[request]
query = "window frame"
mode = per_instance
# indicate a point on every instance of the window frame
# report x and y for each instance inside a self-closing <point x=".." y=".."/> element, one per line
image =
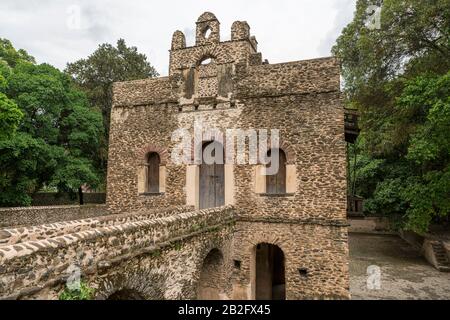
<point x="149" y="188"/>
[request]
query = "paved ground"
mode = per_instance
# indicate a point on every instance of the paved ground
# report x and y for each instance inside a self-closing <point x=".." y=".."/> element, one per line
<point x="404" y="273"/>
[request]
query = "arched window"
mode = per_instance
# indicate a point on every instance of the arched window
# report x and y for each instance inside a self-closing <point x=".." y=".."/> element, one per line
<point x="153" y="163"/>
<point x="276" y="184"/>
<point x="206" y="61"/>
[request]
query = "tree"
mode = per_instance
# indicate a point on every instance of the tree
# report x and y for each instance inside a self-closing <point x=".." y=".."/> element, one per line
<point x="12" y="56"/>
<point x="57" y="134"/>
<point x="429" y="149"/>
<point x="397" y="76"/>
<point x="10" y="114"/>
<point x="96" y="74"/>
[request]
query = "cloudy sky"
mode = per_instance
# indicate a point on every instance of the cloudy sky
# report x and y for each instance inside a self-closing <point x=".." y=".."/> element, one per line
<point x="61" y="31"/>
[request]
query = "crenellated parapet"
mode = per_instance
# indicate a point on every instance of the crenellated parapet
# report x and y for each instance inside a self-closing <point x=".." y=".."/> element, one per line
<point x="178" y="40"/>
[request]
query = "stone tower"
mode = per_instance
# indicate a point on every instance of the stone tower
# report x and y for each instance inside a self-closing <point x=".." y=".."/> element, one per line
<point x="289" y="239"/>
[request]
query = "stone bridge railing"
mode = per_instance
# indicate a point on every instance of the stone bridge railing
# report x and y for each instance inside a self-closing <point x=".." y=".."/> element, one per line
<point x="38" y="257"/>
<point x="10" y="236"/>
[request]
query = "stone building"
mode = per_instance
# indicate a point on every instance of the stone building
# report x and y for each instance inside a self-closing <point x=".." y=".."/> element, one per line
<point x="289" y="238"/>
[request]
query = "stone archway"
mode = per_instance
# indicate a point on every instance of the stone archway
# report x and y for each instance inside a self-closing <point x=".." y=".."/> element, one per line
<point x="126" y="285"/>
<point x="126" y="294"/>
<point x="210" y="282"/>
<point x="270" y="277"/>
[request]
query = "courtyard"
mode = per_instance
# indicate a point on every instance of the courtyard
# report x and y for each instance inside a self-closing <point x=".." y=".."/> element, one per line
<point x="405" y="274"/>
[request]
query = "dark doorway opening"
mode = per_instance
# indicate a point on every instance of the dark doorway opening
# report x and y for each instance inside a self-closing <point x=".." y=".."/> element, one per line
<point x="125" y="294"/>
<point x="270" y="282"/>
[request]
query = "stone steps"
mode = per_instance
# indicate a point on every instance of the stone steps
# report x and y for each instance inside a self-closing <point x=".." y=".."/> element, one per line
<point x="440" y="253"/>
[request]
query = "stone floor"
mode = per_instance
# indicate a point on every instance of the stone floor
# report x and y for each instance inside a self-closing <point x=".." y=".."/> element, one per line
<point x="405" y="274"/>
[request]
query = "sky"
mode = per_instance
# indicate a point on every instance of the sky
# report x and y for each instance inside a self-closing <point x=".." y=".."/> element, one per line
<point x="62" y="31"/>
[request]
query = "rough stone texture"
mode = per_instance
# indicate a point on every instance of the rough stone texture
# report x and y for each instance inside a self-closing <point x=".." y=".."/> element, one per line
<point x="10" y="236"/>
<point x="31" y="216"/>
<point x="154" y="252"/>
<point x="30" y="266"/>
<point x="57" y="199"/>
<point x="236" y="91"/>
<point x="321" y="250"/>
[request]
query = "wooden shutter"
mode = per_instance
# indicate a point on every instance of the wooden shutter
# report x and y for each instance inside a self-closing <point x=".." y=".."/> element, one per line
<point x="153" y="173"/>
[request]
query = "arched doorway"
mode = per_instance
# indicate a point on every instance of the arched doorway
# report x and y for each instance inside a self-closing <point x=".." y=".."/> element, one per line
<point x="126" y="294"/>
<point x="212" y="176"/>
<point x="270" y="282"/>
<point x="210" y="282"/>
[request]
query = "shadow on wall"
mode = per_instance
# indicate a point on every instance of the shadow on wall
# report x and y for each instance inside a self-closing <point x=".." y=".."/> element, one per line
<point x="126" y="294"/>
<point x="61" y="199"/>
<point x="210" y="282"/>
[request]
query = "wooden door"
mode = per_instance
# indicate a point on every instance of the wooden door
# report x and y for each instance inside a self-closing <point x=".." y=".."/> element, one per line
<point x="276" y="184"/>
<point x="212" y="183"/>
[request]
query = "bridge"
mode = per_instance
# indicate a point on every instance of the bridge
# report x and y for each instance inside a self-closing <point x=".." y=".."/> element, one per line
<point x="169" y="254"/>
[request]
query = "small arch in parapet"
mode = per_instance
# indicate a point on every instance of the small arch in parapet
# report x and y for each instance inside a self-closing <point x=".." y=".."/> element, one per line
<point x="205" y="59"/>
<point x="207" y="32"/>
<point x="208" y="29"/>
<point x="206" y="16"/>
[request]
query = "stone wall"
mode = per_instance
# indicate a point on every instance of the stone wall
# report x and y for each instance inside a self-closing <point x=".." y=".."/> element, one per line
<point x="10" y="236"/>
<point x="32" y="216"/>
<point x="238" y="91"/>
<point x="316" y="258"/>
<point x="379" y="225"/>
<point x="171" y="257"/>
<point x="56" y="199"/>
<point x="156" y="246"/>
<point x="37" y="268"/>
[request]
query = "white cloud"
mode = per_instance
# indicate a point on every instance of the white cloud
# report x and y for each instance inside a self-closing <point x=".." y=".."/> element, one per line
<point x="286" y="30"/>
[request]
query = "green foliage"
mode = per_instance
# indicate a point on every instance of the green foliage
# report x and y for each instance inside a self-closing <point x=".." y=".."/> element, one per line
<point x="96" y="74"/>
<point x="53" y="135"/>
<point x="398" y="78"/>
<point x="12" y="56"/>
<point x="178" y="245"/>
<point x="85" y="293"/>
<point x="156" y="253"/>
<point x="57" y="134"/>
<point x="10" y="116"/>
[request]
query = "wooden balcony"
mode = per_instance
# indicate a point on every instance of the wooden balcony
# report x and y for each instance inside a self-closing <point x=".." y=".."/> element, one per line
<point x="351" y="125"/>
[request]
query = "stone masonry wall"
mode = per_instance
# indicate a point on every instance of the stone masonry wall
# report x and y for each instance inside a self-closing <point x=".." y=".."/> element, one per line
<point x="238" y="91"/>
<point x="320" y="250"/>
<point x="32" y="216"/>
<point x="27" y="268"/>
